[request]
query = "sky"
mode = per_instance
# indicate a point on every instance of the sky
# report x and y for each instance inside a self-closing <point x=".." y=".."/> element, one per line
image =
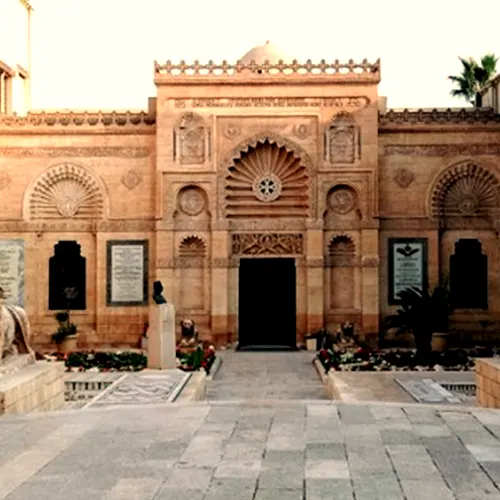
<point x="99" y="54"/>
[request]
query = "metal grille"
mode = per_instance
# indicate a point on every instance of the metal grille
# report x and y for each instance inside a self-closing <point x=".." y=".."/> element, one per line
<point x="460" y="388"/>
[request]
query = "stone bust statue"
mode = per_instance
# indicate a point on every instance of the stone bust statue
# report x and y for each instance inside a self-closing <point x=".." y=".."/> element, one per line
<point x="158" y="293"/>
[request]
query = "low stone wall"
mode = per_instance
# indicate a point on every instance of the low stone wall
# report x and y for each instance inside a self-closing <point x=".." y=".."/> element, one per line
<point x="35" y="387"/>
<point x="488" y="382"/>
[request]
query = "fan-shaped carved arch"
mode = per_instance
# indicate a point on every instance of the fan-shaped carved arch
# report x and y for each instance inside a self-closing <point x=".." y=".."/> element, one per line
<point x="190" y="139"/>
<point x="66" y="190"/>
<point x="267" y="180"/>
<point x="341" y="251"/>
<point x="465" y="190"/>
<point x="342" y="139"/>
<point x="192" y="246"/>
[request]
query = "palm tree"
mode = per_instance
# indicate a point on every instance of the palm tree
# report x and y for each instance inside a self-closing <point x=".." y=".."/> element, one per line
<point x="422" y="313"/>
<point x="474" y="78"/>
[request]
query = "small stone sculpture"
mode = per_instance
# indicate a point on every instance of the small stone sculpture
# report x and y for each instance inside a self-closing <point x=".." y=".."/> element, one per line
<point x="158" y="293"/>
<point x="14" y="330"/>
<point x="188" y="332"/>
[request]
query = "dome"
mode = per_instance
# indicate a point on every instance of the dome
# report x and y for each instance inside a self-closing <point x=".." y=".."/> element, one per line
<point x="267" y="52"/>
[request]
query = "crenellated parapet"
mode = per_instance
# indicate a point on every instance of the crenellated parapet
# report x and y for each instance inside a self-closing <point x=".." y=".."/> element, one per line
<point x="62" y="121"/>
<point x="408" y="118"/>
<point x="241" y="72"/>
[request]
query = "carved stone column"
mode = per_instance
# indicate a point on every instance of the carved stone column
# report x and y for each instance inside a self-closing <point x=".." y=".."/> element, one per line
<point x="315" y="279"/>
<point x="370" y="289"/>
<point x="219" y="309"/>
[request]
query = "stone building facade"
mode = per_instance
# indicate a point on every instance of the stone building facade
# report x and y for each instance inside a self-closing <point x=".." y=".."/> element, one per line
<point x="270" y="198"/>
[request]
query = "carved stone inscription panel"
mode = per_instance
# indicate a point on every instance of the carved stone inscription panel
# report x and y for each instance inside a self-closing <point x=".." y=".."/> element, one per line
<point x="267" y="244"/>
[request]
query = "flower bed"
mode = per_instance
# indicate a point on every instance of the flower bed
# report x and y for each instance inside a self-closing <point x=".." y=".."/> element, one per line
<point x="125" y="361"/>
<point x="362" y="359"/>
<point x="192" y="359"/>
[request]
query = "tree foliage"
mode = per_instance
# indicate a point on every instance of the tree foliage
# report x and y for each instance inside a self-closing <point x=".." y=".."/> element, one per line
<point x="474" y="78"/>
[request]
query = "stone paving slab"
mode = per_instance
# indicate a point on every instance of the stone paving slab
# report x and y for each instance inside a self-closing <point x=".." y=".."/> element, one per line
<point x="427" y="391"/>
<point x="144" y="387"/>
<point x="265" y="375"/>
<point x="253" y="450"/>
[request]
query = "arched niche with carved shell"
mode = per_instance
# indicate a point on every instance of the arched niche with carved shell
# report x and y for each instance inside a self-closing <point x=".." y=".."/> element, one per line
<point x="466" y="190"/>
<point x="267" y="180"/>
<point x="65" y="191"/>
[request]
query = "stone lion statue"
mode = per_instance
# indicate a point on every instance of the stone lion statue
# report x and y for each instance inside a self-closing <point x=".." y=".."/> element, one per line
<point x="15" y="330"/>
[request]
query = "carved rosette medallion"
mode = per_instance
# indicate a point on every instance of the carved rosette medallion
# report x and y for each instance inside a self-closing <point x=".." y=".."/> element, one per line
<point x="267" y="244"/>
<point x="232" y="131"/>
<point x="4" y="181"/>
<point x="191" y="201"/>
<point x="301" y="131"/>
<point x="342" y="201"/>
<point x="403" y="177"/>
<point x="267" y="188"/>
<point x="67" y="206"/>
<point x="468" y="204"/>
<point x="131" y="179"/>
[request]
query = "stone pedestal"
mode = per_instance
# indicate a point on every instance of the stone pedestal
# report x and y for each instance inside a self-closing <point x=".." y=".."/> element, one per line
<point x="161" y="337"/>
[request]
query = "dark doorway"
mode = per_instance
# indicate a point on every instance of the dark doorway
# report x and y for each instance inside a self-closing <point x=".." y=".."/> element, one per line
<point x="67" y="277"/>
<point x="469" y="275"/>
<point x="267" y="304"/>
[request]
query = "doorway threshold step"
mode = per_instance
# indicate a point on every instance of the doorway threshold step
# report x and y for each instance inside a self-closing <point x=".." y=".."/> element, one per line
<point x="267" y="348"/>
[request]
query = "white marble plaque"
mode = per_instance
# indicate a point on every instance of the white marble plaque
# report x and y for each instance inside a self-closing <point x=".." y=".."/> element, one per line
<point x="127" y="271"/>
<point x="12" y="271"/>
<point x="408" y="269"/>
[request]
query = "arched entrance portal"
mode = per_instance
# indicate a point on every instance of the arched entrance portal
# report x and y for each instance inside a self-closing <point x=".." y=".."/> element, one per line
<point x="265" y="186"/>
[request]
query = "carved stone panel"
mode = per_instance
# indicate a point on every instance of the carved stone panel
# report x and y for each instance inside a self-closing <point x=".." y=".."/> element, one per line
<point x="192" y="139"/>
<point x="342" y="140"/>
<point x="267" y="244"/>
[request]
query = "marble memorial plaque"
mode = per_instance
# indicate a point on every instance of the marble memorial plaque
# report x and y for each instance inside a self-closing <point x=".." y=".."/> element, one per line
<point x="127" y="272"/>
<point x="12" y="271"/>
<point x="427" y="391"/>
<point x="407" y="265"/>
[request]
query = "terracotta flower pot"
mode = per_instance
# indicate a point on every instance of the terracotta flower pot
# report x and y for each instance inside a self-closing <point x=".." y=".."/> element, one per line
<point x="68" y="344"/>
<point x="311" y="344"/>
<point x="439" y="341"/>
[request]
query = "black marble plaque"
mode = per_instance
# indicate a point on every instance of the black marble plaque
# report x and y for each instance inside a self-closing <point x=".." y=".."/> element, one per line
<point x="127" y="273"/>
<point x="407" y="265"/>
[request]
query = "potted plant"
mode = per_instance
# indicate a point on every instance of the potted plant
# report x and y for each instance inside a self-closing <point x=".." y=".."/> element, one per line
<point x="65" y="336"/>
<point x="425" y="315"/>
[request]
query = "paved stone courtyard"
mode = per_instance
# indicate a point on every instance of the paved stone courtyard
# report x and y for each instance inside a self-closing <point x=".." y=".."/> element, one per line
<point x="286" y="450"/>
<point x="265" y="432"/>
